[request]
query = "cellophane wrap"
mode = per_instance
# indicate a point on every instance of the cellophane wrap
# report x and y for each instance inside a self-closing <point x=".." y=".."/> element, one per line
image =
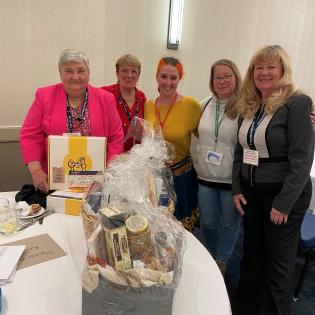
<point x="135" y="244"/>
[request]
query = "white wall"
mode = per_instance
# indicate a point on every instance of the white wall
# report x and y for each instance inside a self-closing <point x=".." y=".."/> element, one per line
<point x="33" y="33"/>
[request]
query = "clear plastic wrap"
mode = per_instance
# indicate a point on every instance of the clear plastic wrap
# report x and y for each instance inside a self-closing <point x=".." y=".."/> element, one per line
<point x="135" y="244"/>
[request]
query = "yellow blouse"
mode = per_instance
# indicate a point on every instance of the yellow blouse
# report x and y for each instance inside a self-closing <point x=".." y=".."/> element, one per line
<point x="181" y="121"/>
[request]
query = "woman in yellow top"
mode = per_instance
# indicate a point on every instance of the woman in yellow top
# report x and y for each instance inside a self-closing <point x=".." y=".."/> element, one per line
<point x="178" y="116"/>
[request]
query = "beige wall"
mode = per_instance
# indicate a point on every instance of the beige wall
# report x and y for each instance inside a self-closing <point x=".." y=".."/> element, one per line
<point x="33" y="32"/>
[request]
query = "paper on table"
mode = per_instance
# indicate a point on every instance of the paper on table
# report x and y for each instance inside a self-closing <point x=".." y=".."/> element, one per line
<point x="9" y="257"/>
<point x="11" y="277"/>
<point x="38" y="249"/>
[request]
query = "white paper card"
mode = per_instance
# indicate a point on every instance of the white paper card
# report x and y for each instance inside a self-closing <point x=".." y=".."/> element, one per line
<point x="250" y="157"/>
<point x="11" y="277"/>
<point x="9" y="257"/>
<point x="214" y="157"/>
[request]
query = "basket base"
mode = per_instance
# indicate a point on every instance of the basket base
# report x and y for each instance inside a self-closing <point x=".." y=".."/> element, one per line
<point x="112" y="299"/>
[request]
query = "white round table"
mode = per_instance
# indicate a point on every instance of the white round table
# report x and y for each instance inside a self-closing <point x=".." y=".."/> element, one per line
<point x="54" y="287"/>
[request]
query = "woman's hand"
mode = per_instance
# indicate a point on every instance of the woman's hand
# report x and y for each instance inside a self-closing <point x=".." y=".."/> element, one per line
<point x="313" y="118"/>
<point x="238" y="201"/>
<point x="278" y="217"/>
<point x="40" y="178"/>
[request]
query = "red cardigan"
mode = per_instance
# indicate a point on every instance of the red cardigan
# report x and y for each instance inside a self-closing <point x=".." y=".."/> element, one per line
<point x="139" y="97"/>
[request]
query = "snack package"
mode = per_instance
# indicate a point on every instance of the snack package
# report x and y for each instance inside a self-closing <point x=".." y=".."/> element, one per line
<point x="135" y="244"/>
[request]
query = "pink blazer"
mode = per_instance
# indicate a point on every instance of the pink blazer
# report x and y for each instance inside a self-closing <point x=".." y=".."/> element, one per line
<point x="47" y="116"/>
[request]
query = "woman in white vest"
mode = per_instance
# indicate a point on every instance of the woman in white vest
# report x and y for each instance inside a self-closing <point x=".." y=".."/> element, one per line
<point x="213" y="158"/>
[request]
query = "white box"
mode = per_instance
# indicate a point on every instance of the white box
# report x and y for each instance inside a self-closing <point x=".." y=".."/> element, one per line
<point x="81" y="179"/>
<point x="73" y="153"/>
<point x="65" y="201"/>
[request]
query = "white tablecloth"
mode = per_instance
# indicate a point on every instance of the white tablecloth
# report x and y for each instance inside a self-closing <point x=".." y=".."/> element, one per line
<point x="54" y="287"/>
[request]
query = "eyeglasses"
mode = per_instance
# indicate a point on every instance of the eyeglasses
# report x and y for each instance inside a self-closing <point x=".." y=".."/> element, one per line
<point x="225" y="78"/>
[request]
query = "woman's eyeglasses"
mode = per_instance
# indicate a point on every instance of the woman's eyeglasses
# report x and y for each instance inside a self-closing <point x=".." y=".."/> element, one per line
<point x="225" y="78"/>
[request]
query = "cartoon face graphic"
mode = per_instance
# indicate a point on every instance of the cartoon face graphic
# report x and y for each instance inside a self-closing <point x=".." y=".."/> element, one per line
<point x="71" y="164"/>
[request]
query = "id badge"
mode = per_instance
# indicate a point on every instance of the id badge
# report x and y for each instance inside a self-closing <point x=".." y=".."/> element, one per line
<point x="250" y="157"/>
<point x="214" y="157"/>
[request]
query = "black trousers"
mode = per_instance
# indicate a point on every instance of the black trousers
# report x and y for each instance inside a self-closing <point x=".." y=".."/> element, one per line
<point x="267" y="267"/>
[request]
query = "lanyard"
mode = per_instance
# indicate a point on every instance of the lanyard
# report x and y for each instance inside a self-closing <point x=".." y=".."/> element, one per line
<point x="123" y="104"/>
<point x="82" y="114"/>
<point x="258" y="118"/>
<point x="217" y="121"/>
<point x="162" y="123"/>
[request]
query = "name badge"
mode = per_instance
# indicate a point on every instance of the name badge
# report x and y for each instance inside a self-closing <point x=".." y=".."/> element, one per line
<point x="214" y="157"/>
<point x="250" y="157"/>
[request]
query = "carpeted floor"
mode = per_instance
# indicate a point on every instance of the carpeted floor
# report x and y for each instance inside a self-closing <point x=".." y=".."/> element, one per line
<point x="306" y="302"/>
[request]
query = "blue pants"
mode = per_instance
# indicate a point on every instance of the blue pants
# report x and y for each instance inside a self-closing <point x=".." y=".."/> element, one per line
<point x="219" y="220"/>
<point x="186" y="191"/>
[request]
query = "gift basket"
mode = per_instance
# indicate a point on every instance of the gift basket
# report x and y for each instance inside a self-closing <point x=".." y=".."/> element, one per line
<point x="135" y="244"/>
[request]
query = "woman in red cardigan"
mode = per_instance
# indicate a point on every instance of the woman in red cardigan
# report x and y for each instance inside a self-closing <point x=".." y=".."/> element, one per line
<point x="129" y="100"/>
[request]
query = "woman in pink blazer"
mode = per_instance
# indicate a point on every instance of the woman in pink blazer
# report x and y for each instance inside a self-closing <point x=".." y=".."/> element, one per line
<point x="68" y="107"/>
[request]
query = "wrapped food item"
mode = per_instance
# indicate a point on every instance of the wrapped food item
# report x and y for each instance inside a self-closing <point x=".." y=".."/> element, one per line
<point x="113" y="224"/>
<point x="139" y="239"/>
<point x="28" y="210"/>
<point x="135" y="244"/>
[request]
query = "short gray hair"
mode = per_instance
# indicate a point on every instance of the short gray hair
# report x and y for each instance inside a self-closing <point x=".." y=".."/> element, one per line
<point x="71" y="55"/>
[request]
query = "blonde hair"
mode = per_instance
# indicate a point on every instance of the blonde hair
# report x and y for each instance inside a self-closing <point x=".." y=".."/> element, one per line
<point x="231" y="108"/>
<point x="128" y="60"/>
<point x="284" y="88"/>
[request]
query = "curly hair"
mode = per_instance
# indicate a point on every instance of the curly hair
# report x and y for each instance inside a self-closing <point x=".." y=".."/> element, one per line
<point x="251" y="97"/>
<point x="71" y="55"/>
